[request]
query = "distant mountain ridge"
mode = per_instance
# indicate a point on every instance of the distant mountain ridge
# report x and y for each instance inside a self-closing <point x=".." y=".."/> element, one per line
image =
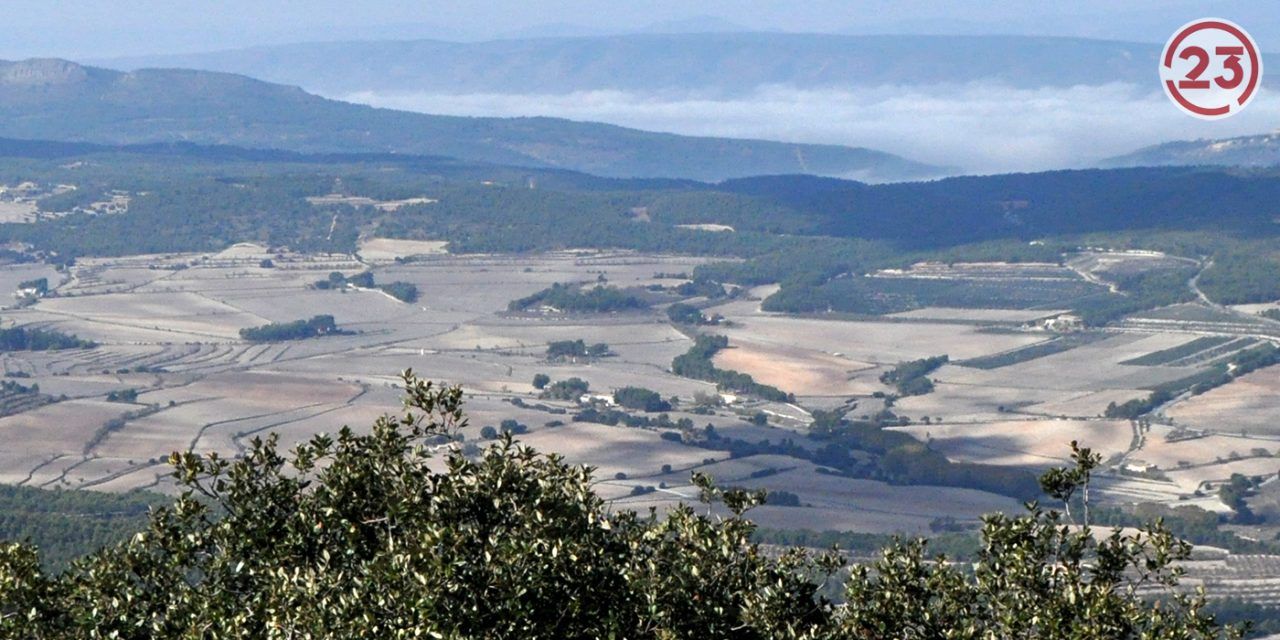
<point x="1261" y="150"/>
<point x="706" y="63"/>
<point x="60" y="100"/>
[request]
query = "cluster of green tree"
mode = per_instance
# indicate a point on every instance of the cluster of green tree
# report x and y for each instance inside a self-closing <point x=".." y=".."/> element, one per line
<point x="1242" y="278"/>
<point x="24" y="339"/>
<point x="1172" y="354"/>
<point x="173" y="213"/>
<point x="857" y="294"/>
<point x="614" y="417"/>
<point x="1190" y="523"/>
<point x="641" y="399"/>
<point x="1133" y="409"/>
<point x="795" y="231"/>
<point x="575" y="349"/>
<point x="570" y="389"/>
<point x="701" y="289"/>
<point x="1047" y="251"/>
<point x="402" y="291"/>
<point x="912" y="378"/>
<point x="337" y="280"/>
<point x="900" y="458"/>
<point x="126" y="395"/>
<point x="514" y="544"/>
<point x="1027" y="206"/>
<point x="71" y="524"/>
<point x="781" y="498"/>
<point x="1233" y="493"/>
<point x="681" y="313"/>
<point x="11" y="256"/>
<point x="507" y="426"/>
<point x="801" y="261"/>
<point x="573" y="299"/>
<point x="497" y="219"/>
<point x="1244" y="362"/>
<point x="321" y="325"/>
<point x="1261" y="620"/>
<point x="40" y="285"/>
<point x="1247" y="361"/>
<point x="1030" y="352"/>
<point x="696" y="363"/>
<point x="17" y="398"/>
<point x="13" y="386"/>
<point x="115" y="424"/>
<point x="69" y="200"/>
<point x="1270" y="314"/>
<point x="1139" y="291"/>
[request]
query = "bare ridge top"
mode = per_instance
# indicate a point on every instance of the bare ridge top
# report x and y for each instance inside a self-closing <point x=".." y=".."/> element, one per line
<point x="42" y="71"/>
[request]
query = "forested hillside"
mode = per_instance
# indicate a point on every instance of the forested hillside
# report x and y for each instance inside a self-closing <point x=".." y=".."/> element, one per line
<point x="718" y="64"/>
<point x="815" y="236"/>
<point x="60" y="100"/>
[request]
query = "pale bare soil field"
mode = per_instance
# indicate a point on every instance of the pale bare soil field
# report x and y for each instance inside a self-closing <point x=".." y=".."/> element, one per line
<point x="872" y="342"/>
<point x="973" y="402"/>
<point x="1090" y="404"/>
<point x="1256" y="308"/>
<point x="1250" y="405"/>
<point x="1189" y="480"/>
<point x="11" y="211"/>
<point x="386" y="250"/>
<point x="804" y="372"/>
<point x="1024" y="443"/>
<point x="977" y="315"/>
<point x="1090" y="367"/>
<point x="1170" y="448"/>
<point x="845" y="503"/>
<point x="13" y="275"/>
<point x="168" y="327"/>
<point x="827" y="502"/>
<point x="613" y="450"/>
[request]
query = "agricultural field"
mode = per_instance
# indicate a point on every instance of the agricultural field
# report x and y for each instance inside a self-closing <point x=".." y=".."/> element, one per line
<point x="1013" y="393"/>
<point x="1247" y="406"/>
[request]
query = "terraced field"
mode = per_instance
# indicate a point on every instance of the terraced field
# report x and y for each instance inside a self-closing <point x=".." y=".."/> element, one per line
<point x="1014" y="393"/>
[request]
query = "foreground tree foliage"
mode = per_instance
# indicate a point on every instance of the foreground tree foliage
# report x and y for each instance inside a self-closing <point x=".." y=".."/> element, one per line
<point x="395" y="534"/>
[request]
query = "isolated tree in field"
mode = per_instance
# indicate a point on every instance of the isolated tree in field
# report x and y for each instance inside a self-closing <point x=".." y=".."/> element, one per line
<point x="369" y="536"/>
<point x="541" y="380"/>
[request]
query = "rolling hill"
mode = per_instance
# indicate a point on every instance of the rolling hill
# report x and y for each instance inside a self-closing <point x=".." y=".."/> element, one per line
<point x="705" y="63"/>
<point x="1261" y="150"/>
<point x="61" y="100"/>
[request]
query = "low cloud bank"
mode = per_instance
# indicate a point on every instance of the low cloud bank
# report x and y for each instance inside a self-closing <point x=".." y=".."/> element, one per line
<point x="981" y="128"/>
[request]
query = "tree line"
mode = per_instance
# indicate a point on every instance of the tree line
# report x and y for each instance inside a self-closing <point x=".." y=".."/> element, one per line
<point x="368" y="535"/>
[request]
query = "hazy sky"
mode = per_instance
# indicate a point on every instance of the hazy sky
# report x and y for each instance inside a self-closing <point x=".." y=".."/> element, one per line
<point x="981" y="128"/>
<point x="104" y="28"/>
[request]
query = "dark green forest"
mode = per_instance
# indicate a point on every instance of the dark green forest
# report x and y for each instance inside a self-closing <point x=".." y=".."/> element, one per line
<point x="817" y="237"/>
<point x="36" y="339"/>
<point x="322" y="325"/>
<point x="696" y="363"/>
<point x="69" y="524"/>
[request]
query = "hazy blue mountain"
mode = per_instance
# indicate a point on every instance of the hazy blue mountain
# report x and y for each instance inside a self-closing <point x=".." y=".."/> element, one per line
<point x="707" y="63"/>
<point x="61" y="100"/>
<point x="1246" y="151"/>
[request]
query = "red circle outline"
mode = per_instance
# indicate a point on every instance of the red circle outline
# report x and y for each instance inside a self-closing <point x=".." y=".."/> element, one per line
<point x="1240" y="36"/>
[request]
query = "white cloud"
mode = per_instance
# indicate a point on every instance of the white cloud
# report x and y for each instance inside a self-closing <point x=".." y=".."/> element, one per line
<point x="981" y="128"/>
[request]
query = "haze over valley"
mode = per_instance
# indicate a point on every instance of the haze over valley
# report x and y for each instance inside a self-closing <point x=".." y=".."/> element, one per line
<point x="983" y="104"/>
<point x="583" y="320"/>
